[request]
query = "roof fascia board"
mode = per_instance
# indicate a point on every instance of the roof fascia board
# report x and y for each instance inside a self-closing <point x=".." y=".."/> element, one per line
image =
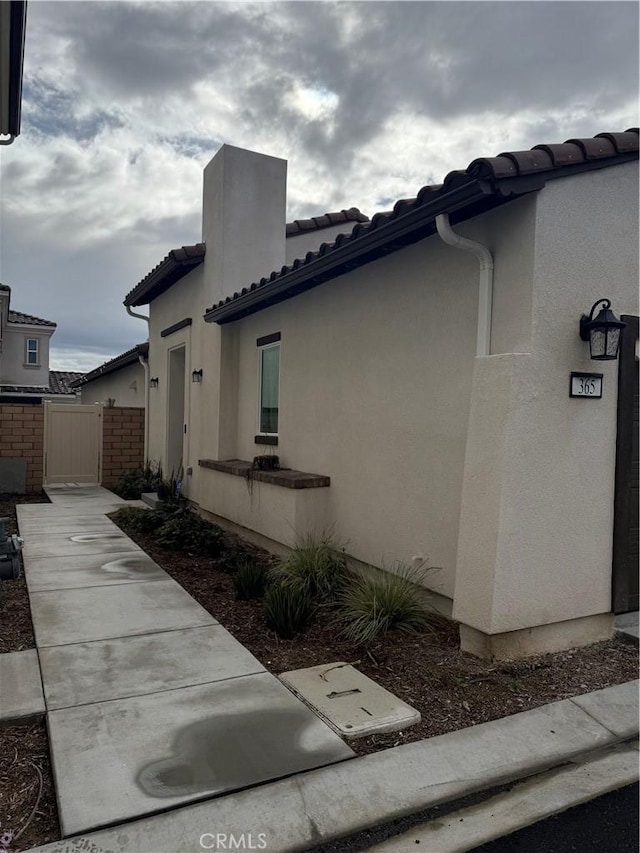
<point x="163" y="278"/>
<point x="99" y="372"/>
<point x="354" y="254"/>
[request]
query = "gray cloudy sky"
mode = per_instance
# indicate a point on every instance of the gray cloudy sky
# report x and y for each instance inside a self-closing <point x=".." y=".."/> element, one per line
<point x="125" y="103"/>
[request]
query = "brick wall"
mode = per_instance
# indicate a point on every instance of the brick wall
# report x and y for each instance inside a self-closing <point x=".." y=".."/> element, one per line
<point x="22" y="437"/>
<point x="122" y="442"/>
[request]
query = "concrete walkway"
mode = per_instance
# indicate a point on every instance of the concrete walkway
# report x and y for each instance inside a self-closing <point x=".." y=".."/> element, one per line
<point x="151" y="703"/>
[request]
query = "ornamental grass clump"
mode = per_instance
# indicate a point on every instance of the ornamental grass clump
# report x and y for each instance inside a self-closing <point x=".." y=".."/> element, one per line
<point x="250" y="580"/>
<point x="288" y="609"/>
<point x="316" y="565"/>
<point x="393" y="600"/>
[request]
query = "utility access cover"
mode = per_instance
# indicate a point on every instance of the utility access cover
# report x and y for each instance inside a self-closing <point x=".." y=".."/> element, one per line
<point x="352" y="704"/>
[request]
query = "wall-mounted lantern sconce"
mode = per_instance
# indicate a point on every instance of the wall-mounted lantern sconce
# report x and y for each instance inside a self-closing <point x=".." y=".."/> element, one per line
<point x="153" y="382"/>
<point x="196" y="376"/>
<point x="602" y="332"/>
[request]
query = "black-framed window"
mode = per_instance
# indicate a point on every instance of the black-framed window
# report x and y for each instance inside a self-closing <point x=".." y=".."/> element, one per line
<point x="268" y="384"/>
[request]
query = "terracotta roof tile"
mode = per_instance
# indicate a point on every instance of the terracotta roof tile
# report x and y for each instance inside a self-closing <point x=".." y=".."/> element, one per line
<point x="176" y="264"/>
<point x="303" y="226"/>
<point x="27" y="319"/>
<point x="131" y="356"/>
<point x="59" y="381"/>
<point x="548" y="161"/>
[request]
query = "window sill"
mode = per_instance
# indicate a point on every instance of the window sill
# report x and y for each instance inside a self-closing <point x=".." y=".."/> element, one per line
<point x="285" y="477"/>
<point x="266" y="439"/>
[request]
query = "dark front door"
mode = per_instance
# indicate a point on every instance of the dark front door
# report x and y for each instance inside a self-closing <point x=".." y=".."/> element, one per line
<point x="625" y="526"/>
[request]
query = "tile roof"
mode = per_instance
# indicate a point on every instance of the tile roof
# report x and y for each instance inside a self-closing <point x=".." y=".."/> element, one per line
<point x="60" y="381"/>
<point x="485" y="183"/>
<point x="172" y="268"/>
<point x="181" y="261"/>
<point x="316" y="223"/>
<point x="123" y="360"/>
<point x="40" y="390"/>
<point x="27" y="319"/>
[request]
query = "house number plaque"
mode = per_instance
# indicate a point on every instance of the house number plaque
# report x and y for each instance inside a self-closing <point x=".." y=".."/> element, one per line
<point x="586" y="385"/>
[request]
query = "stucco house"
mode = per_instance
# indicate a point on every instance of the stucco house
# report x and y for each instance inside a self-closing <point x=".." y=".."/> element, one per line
<point x="422" y="379"/>
<point x="121" y="379"/>
<point x="24" y="358"/>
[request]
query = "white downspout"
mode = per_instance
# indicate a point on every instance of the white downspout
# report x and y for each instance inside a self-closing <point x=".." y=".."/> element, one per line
<point x="485" y="296"/>
<point x="145" y="366"/>
<point x="137" y="316"/>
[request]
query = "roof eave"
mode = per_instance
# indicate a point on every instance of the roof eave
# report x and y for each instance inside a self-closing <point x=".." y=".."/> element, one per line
<point x="466" y="201"/>
<point x="399" y="232"/>
<point x="160" y="280"/>
<point x="119" y="363"/>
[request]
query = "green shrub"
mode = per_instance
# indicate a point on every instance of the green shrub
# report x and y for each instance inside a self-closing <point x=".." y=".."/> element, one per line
<point x="129" y="485"/>
<point x="132" y="483"/>
<point x="288" y="609"/>
<point x="184" y="530"/>
<point x="395" y="600"/>
<point x="139" y="520"/>
<point x="317" y="566"/>
<point x="250" y="580"/>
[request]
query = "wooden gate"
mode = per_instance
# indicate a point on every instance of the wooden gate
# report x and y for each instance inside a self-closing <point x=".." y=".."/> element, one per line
<point x="625" y="526"/>
<point x="72" y="443"/>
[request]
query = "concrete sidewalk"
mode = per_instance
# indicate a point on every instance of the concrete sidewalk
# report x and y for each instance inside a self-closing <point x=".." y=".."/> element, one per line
<point x="320" y="806"/>
<point x="150" y="702"/>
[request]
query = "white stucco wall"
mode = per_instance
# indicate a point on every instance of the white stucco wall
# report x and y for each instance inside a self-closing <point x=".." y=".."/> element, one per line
<point x="376" y="370"/>
<point x="537" y="509"/>
<point x="485" y="466"/>
<point x="125" y="386"/>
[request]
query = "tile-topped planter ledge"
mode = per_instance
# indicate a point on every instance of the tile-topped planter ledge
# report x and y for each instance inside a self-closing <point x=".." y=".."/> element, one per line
<point x="286" y="477"/>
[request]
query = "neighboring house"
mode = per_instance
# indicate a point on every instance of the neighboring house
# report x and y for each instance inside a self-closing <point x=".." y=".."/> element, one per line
<point x="122" y="379"/>
<point x="418" y="394"/>
<point x="24" y="358"/>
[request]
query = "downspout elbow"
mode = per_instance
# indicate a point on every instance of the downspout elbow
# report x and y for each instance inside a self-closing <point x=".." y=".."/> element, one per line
<point x="137" y="316"/>
<point x="485" y="260"/>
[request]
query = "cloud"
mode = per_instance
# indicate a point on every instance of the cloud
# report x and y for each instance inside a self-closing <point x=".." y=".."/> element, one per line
<point x="125" y="103"/>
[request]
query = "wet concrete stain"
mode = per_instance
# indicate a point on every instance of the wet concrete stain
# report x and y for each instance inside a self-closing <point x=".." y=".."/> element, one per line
<point x="92" y="537"/>
<point x="133" y="567"/>
<point x="226" y="752"/>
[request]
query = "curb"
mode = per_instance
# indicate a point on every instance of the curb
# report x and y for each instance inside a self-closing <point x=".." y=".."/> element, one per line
<point x="309" y="809"/>
<point x="529" y="802"/>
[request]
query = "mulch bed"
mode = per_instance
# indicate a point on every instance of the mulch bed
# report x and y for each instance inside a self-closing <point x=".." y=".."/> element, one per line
<point x="451" y="689"/>
<point x="25" y="800"/>
<point x="27" y="796"/>
<point x="15" y="613"/>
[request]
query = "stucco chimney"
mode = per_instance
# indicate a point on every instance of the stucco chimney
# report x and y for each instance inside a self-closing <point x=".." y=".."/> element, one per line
<point x="243" y="219"/>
